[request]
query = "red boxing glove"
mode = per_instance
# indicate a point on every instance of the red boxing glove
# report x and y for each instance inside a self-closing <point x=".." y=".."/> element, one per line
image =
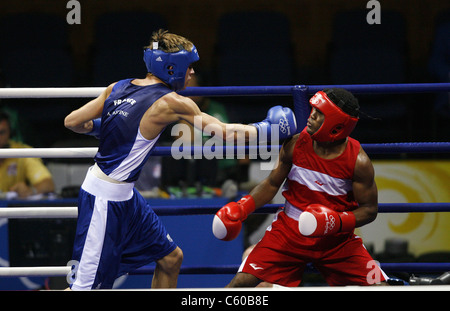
<point x="318" y="220"/>
<point x="228" y="220"/>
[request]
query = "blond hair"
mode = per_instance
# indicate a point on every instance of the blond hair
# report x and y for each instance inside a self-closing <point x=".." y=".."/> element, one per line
<point x="169" y="42"/>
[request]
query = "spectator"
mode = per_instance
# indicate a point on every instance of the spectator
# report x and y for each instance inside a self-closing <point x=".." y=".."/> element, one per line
<point x="21" y="177"/>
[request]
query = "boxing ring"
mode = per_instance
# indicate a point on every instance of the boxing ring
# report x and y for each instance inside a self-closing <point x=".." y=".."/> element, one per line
<point x="300" y="95"/>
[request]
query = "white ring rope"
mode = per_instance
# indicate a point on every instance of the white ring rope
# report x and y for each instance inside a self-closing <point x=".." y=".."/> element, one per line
<point x="84" y="152"/>
<point x="51" y="92"/>
<point x="34" y="271"/>
<point x="39" y="212"/>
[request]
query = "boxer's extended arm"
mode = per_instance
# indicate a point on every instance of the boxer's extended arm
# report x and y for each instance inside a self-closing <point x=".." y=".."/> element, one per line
<point x="188" y="110"/>
<point x="183" y="108"/>
<point x="173" y="108"/>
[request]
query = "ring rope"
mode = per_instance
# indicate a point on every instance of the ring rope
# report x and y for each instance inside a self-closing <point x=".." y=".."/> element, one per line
<point x="34" y="271"/>
<point x="38" y="212"/>
<point x="413" y="267"/>
<point x="70" y="92"/>
<point x="89" y="152"/>
<point x="72" y="212"/>
<point x="51" y="92"/>
<point x="84" y="152"/>
<point x="418" y="147"/>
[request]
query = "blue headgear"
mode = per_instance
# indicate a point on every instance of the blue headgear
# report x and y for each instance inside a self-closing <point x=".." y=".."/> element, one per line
<point x="170" y="67"/>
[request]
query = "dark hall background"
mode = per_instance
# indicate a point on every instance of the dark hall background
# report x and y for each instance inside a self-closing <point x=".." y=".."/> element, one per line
<point x="248" y="42"/>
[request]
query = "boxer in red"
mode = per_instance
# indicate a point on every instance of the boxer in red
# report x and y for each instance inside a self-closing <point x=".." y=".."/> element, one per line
<point x="330" y="190"/>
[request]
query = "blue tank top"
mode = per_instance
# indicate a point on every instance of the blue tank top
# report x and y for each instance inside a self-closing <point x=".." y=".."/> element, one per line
<point x="123" y="150"/>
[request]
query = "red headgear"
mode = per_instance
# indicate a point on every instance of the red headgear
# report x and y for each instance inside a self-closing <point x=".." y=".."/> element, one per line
<point x="337" y="124"/>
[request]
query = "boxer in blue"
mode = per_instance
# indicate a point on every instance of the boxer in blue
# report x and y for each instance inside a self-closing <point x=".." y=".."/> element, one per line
<point x="117" y="231"/>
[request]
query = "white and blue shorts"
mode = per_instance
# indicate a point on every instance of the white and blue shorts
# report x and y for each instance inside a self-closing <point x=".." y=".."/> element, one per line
<point x="117" y="232"/>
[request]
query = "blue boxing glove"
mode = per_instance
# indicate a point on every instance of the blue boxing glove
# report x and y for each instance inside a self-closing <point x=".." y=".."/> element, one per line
<point x="278" y="118"/>
<point x="95" y="128"/>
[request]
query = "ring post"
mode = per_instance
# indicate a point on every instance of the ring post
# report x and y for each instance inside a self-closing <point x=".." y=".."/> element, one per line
<point x="301" y="111"/>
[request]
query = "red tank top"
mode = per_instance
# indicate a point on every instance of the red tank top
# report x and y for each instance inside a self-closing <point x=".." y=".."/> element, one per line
<point x="313" y="179"/>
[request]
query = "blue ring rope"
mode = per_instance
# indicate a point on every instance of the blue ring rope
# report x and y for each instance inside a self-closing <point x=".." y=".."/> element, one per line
<point x="311" y="89"/>
<point x="272" y="208"/>
<point x="390" y="148"/>
<point x="414" y="267"/>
